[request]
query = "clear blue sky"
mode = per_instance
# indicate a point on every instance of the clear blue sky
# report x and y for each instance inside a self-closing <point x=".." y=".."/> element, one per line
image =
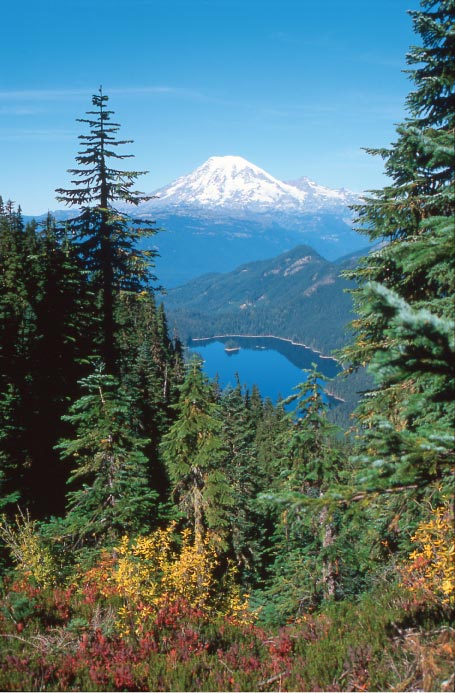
<point x="298" y="87"/>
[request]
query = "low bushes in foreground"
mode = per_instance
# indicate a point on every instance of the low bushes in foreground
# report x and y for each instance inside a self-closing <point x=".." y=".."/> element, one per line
<point x="70" y="639"/>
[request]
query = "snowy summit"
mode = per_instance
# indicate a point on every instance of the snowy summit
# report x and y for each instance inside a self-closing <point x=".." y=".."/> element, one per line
<point x="318" y="196"/>
<point x="231" y="183"/>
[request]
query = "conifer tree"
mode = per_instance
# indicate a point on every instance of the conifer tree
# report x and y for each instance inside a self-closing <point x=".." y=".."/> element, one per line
<point x="17" y="332"/>
<point x="11" y="483"/>
<point x="406" y="286"/>
<point x="107" y="237"/>
<point x="246" y="522"/>
<point x="306" y="552"/>
<point x="151" y="369"/>
<point x="113" y="494"/>
<point x="194" y="455"/>
<point x="313" y="464"/>
<point x="415" y="447"/>
<point x="15" y="310"/>
<point x="61" y="303"/>
<point x="271" y="424"/>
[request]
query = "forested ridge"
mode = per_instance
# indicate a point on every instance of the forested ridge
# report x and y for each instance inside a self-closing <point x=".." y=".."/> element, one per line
<point x="297" y="295"/>
<point x="158" y="534"/>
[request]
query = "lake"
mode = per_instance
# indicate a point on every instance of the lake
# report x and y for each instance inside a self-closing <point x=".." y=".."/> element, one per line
<point x="274" y="365"/>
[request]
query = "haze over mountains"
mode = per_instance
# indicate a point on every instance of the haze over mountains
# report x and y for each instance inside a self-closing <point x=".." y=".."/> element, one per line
<point x="228" y="211"/>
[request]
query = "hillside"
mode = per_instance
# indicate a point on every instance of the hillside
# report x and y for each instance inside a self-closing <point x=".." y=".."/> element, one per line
<point x="298" y="295"/>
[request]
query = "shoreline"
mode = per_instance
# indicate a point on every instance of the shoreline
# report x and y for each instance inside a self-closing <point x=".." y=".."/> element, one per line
<point x="266" y="336"/>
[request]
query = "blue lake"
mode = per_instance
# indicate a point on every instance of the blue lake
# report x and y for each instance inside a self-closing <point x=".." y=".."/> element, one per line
<point x="274" y="365"/>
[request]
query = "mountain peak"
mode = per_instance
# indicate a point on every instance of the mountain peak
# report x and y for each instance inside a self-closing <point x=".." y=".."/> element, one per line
<point x="233" y="183"/>
<point x="329" y="196"/>
<point x="229" y="161"/>
<point x="233" y="186"/>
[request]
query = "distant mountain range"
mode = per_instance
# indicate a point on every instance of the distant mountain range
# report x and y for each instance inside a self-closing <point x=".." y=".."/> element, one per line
<point x="229" y="211"/>
<point x="298" y="295"/>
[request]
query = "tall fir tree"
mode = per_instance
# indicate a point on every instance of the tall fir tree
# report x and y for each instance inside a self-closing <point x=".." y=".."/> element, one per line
<point x="107" y="237"/>
<point x="42" y="302"/>
<point x="247" y="523"/>
<point x="113" y="493"/>
<point x="151" y="369"/>
<point x="61" y="301"/>
<point x="306" y="568"/>
<point x="14" y="348"/>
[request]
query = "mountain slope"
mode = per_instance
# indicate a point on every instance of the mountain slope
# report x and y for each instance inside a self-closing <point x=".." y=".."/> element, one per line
<point x="298" y="295"/>
<point x="231" y="183"/>
<point x="318" y="197"/>
<point x="191" y="245"/>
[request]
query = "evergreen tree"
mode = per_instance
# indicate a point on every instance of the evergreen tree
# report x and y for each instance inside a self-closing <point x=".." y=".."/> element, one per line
<point x="415" y="447"/>
<point x="107" y="237"/>
<point x="113" y="494"/>
<point x="44" y="302"/>
<point x="194" y="455"/>
<point x="16" y="324"/>
<point x="61" y="303"/>
<point x="151" y="369"/>
<point x="271" y="424"/>
<point x="308" y="560"/>
<point x="247" y="523"/>
<point x="406" y="286"/>
<point x="11" y="482"/>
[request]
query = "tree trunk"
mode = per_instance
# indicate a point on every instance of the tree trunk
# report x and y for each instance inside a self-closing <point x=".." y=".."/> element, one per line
<point x="328" y="565"/>
<point x="107" y="297"/>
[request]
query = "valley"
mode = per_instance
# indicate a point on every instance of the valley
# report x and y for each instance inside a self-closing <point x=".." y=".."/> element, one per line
<point x="297" y="301"/>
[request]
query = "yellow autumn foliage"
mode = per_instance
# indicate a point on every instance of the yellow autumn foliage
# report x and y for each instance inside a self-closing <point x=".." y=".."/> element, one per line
<point x="28" y="550"/>
<point x="160" y="568"/>
<point x="431" y="566"/>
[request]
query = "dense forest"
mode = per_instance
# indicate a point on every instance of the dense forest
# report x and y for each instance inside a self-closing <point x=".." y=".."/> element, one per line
<point x="158" y="534"/>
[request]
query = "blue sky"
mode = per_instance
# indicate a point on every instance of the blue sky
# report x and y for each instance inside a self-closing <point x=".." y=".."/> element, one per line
<point x="298" y="87"/>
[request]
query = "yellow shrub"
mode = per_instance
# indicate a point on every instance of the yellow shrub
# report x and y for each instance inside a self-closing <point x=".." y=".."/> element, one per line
<point x="431" y="566"/>
<point x="28" y="550"/>
<point x="155" y="570"/>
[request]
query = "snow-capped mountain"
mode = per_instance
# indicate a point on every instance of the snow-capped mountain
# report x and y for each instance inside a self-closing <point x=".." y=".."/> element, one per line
<point x="319" y="197"/>
<point x="229" y="211"/>
<point x="231" y="184"/>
